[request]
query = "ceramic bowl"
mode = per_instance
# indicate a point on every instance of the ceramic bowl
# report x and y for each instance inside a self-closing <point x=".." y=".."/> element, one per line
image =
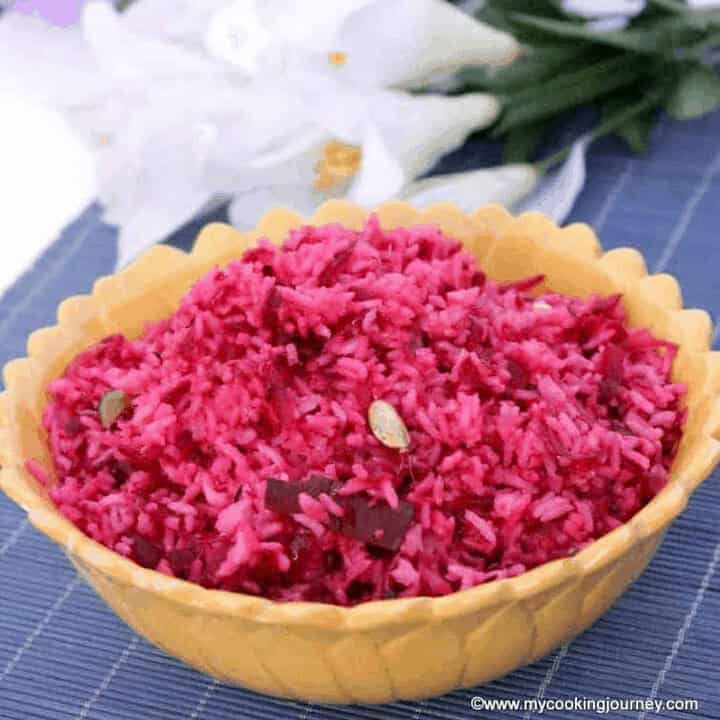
<point x="391" y="649"/>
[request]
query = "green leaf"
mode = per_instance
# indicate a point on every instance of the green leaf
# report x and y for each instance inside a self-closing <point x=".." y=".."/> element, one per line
<point x="569" y="90"/>
<point x="625" y="40"/>
<point x="673" y="6"/>
<point x="699" y="50"/>
<point x="635" y="130"/>
<point x="699" y="19"/>
<point x="522" y="142"/>
<point x="530" y="69"/>
<point x="495" y="17"/>
<point x="501" y="14"/>
<point x="624" y="113"/>
<point x="659" y="37"/>
<point x="610" y="124"/>
<point x="539" y="8"/>
<point x="696" y="93"/>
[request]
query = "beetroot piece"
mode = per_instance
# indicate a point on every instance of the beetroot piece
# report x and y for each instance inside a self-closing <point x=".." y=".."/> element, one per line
<point x="72" y="426"/>
<point x="378" y="525"/>
<point x="283" y="497"/>
<point x="329" y="275"/>
<point x="181" y="559"/>
<point x="146" y="553"/>
<point x="523" y="285"/>
<point x="611" y="365"/>
<point x="518" y="374"/>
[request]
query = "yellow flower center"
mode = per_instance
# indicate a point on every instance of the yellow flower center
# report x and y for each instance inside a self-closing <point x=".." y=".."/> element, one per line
<point x="337" y="58"/>
<point x="338" y="162"/>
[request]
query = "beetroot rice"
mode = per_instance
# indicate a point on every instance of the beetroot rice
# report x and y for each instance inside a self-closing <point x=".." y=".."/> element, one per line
<point x="245" y="461"/>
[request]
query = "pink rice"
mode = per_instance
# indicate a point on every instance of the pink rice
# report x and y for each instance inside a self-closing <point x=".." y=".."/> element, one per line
<point x="534" y="430"/>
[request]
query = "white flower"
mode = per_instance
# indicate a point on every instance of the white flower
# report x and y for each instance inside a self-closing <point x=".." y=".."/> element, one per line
<point x="343" y="58"/>
<point x="704" y="4"/>
<point x="380" y="43"/>
<point x="371" y="146"/>
<point x="505" y="185"/>
<point x="519" y="186"/>
<point x="603" y="8"/>
<point x="605" y="15"/>
<point x="277" y="102"/>
<point x="556" y="194"/>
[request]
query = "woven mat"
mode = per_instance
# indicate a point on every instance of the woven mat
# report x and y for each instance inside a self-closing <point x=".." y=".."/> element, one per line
<point x="64" y="655"/>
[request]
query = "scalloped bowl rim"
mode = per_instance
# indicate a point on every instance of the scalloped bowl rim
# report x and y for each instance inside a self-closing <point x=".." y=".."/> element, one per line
<point x="657" y="514"/>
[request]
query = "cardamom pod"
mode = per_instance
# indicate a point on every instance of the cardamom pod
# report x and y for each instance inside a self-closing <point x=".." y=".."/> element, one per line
<point x="112" y="405"/>
<point x="387" y="426"/>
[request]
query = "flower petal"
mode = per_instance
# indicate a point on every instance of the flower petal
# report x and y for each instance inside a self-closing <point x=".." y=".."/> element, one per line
<point x="402" y="42"/>
<point x="263" y="134"/>
<point x="178" y="20"/>
<point x="63" y="74"/>
<point x="125" y="54"/>
<point x="419" y="129"/>
<point x="603" y="8"/>
<point x="152" y="221"/>
<point x="251" y="204"/>
<point x="415" y="130"/>
<point x="505" y="185"/>
<point x="151" y="180"/>
<point x="557" y="192"/>
<point x="162" y="208"/>
<point x="609" y="23"/>
<point x="313" y="26"/>
<point x="290" y="185"/>
<point x="380" y="177"/>
<point x="236" y="35"/>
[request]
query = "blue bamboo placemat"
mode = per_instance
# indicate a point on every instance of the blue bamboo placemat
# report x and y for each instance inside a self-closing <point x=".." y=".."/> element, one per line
<point x="64" y="656"/>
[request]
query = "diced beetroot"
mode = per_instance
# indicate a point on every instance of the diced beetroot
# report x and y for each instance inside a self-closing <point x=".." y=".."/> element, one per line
<point x="375" y="524"/>
<point x="519" y="376"/>
<point x="270" y="310"/>
<point x="284" y="497"/>
<point x="72" y="426"/>
<point x="146" y="553"/>
<point x="261" y="254"/>
<point x="309" y="348"/>
<point x="281" y="401"/>
<point x="332" y="560"/>
<point x="300" y="542"/>
<point x="522" y="285"/>
<point x="611" y="364"/>
<point x="177" y="393"/>
<point x="358" y="590"/>
<point x="335" y="265"/>
<point x="121" y="471"/>
<point x="606" y="305"/>
<point x="214" y="555"/>
<point x="181" y="559"/>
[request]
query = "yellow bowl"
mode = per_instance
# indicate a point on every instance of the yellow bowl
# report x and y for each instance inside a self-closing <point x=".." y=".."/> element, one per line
<point x="391" y="649"/>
